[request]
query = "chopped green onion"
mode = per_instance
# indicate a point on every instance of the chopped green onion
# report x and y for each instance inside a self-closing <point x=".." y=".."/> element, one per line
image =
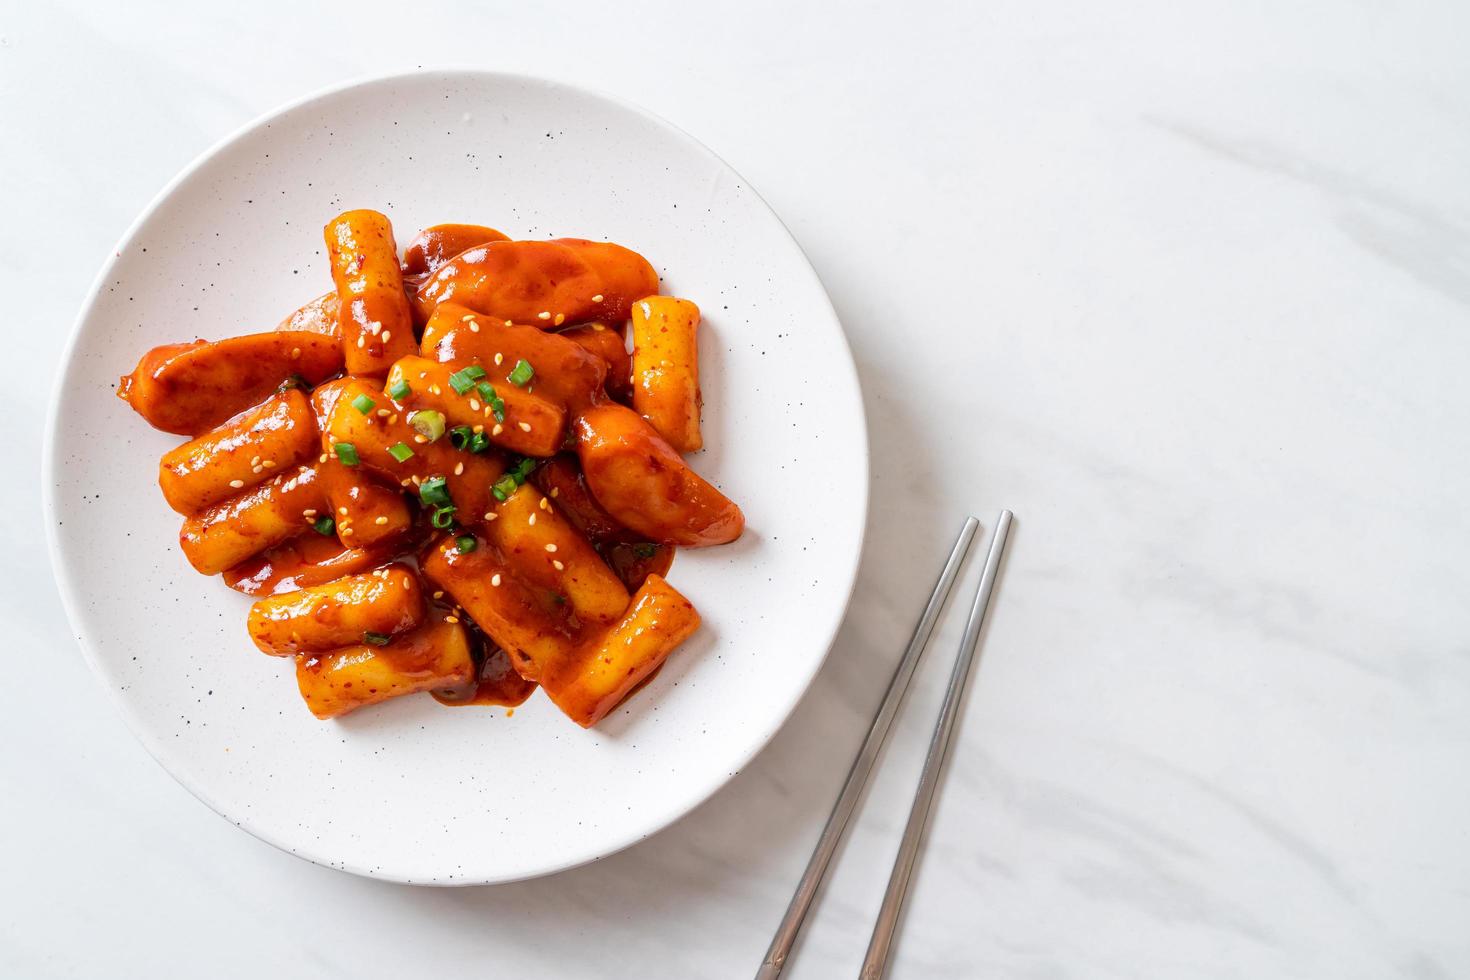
<point x="521" y="373"/>
<point x="645" y="550"/>
<point x="376" y="639"/>
<point x="399" y="390"/>
<point x="400" y="452"/>
<point x="428" y="423"/>
<point x="324" y="526"/>
<point x="466" y="543"/>
<point x="523" y="470"/>
<point x="479" y="442"/>
<point x="504" y="487"/>
<point x="346" y="452"/>
<point x="434" y="492"/>
<point x="294" y="381"/>
<point x="459" y="436"/>
<point x="492" y="398"/>
<point x="442" y="517"/>
<point x="363" y="404"/>
<point x="464" y="379"/>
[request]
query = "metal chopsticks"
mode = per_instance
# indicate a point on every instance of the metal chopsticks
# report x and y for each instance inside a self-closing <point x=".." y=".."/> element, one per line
<point x="816" y="868"/>
<point x="881" y="944"/>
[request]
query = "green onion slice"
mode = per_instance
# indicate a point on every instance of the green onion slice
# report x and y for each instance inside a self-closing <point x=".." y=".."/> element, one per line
<point x="427" y="423"/>
<point x="400" y="452"/>
<point x="466" y="543"/>
<point x="504" y="487"/>
<point x="645" y="550"/>
<point x="346" y="453"/>
<point x="376" y="639"/>
<point x="443" y="517"/>
<point x="324" y="526"/>
<point x="363" y="404"/>
<point x="479" y="442"/>
<point x="399" y="390"/>
<point x="521" y="374"/>
<point x="434" y="492"/>
<point x="492" y="398"/>
<point x="464" y="379"/>
<point x="459" y="436"/>
<point x="523" y="470"/>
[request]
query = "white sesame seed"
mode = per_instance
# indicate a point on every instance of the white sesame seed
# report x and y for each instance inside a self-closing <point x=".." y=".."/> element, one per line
<point x="543" y="504"/>
<point x="478" y="429"/>
<point x="237" y="484"/>
<point x="439" y="594"/>
<point x="393" y="419"/>
<point x="451" y="619"/>
<point x="499" y="358"/>
<point x="474" y="327"/>
<point x="544" y="315"/>
<point x="497" y="430"/>
<point x="510" y="323"/>
<point x="322" y="458"/>
<point x="361" y="340"/>
<point x="255" y="469"/>
<point x="495" y="580"/>
<point x="342" y="511"/>
<point x="551" y="547"/>
<point x="524" y="426"/>
<point x="491" y="516"/>
<point x="555" y="492"/>
<point x="268" y="463"/>
<point x="531" y="520"/>
<point x="295" y="353"/>
<point x="381" y="521"/>
<point x="557" y="565"/>
<point x="597" y="298"/>
<point x="405" y="483"/>
<point x="474" y="404"/>
<point x="467" y="318"/>
<point x="346" y="532"/>
<point x="255" y="461"/>
<point x="309" y="513"/>
<point x="435" y="390"/>
<point x="420" y="439"/>
<point x="383" y="413"/>
<point x="459" y="468"/>
<point x="560" y="319"/>
<point x="598" y="326"/>
<point x="387" y="336"/>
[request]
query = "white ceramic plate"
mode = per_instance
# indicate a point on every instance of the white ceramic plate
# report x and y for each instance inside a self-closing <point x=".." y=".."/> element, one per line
<point x="410" y="790"/>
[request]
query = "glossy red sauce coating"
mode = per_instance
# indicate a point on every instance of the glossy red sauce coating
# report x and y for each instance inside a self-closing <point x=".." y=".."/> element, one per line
<point x="437" y="244"/>
<point x="305" y="560"/>
<point x="497" y="684"/>
<point x="548" y="284"/>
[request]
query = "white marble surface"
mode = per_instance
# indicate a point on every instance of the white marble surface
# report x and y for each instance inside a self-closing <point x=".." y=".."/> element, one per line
<point x="1187" y="286"/>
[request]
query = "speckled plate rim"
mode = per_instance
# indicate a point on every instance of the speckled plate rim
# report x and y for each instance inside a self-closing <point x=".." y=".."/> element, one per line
<point x="68" y="589"/>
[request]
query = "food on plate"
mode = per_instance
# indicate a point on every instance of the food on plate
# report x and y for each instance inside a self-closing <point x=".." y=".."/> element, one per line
<point x="666" y="369"/>
<point x="646" y="486"/>
<point x="449" y="474"/>
<point x="546" y="284"/>
<point x="189" y="389"/>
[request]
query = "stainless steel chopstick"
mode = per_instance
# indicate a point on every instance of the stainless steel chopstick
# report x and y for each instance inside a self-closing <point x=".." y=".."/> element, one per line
<point x="811" y="879"/>
<point x="876" y="960"/>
